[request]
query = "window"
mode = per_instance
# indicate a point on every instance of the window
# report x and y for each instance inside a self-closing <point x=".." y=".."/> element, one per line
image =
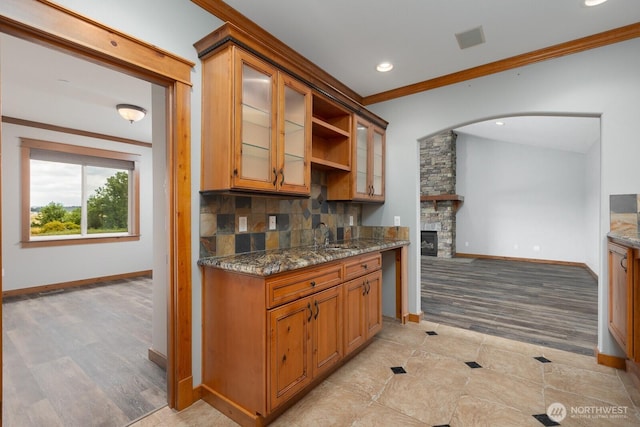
<point x="73" y="194"/>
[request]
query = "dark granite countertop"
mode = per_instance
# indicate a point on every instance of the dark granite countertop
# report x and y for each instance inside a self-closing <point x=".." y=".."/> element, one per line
<point x="265" y="263"/>
<point x="628" y="238"/>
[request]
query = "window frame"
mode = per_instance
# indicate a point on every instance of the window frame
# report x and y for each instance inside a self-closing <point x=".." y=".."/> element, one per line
<point x="27" y="144"/>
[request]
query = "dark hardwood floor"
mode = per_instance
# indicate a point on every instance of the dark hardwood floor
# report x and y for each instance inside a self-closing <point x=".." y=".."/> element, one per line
<point x="79" y="357"/>
<point x="551" y="305"/>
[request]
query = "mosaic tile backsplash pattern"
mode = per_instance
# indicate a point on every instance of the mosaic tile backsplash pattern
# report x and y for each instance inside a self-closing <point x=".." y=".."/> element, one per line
<point x="624" y="213"/>
<point x="296" y="219"/>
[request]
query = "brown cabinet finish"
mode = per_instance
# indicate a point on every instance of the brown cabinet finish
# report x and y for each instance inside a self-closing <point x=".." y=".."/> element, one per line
<point x="268" y="340"/>
<point x="624" y="298"/>
<point x="621" y="296"/>
<point x="366" y="180"/>
<point x="256" y="126"/>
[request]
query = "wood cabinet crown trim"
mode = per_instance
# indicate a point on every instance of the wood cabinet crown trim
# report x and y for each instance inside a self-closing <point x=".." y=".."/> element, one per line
<point x="230" y="33"/>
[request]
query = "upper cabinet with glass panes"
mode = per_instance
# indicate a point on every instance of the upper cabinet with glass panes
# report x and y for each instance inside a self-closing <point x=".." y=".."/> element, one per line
<point x="269" y="116"/>
<point x="255" y="126"/>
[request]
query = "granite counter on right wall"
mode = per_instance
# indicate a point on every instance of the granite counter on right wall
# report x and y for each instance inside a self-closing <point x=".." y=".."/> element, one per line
<point x="624" y="214"/>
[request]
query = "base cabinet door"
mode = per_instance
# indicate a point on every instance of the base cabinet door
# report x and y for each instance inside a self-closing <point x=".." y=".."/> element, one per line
<point x="305" y="341"/>
<point x="363" y="309"/>
<point x="327" y="328"/>
<point x="621" y="296"/>
<point x="290" y="350"/>
<point x="373" y="301"/>
<point x="354" y="315"/>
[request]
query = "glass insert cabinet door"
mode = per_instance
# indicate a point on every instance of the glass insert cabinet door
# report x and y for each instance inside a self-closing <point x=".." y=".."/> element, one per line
<point x="378" y="163"/>
<point x="255" y="118"/>
<point x="295" y="112"/>
<point x="362" y="155"/>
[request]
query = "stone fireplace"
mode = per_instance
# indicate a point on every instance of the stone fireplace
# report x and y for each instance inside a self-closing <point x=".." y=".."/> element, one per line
<point x="438" y="199"/>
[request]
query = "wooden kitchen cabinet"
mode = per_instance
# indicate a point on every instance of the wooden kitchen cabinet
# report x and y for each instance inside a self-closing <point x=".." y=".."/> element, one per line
<point x="267" y="339"/>
<point x="624" y="298"/>
<point x="256" y="126"/>
<point x="305" y="341"/>
<point x="366" y="181"/>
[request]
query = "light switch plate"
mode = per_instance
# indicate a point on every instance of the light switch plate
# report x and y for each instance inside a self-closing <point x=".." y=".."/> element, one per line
<point x="396" y="221"/>
<point x="242" y="224"/>
<point x="350" y="219"/>
<point x="272" y="222"/>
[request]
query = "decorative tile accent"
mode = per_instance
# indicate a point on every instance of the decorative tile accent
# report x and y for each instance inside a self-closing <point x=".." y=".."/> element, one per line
<point x="431" y="333"/>
<point x="542" y="359"/>
<point x="473" y="365"/>
<point x="545" y="420"/>
<point x="398" y="370"/>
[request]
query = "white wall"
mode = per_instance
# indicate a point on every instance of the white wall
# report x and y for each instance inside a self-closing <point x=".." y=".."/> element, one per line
<point x="602" y="81"/>
<point x="29" y="267"/>
<point x="592" y="208"/>
<point x="520" y="201"/>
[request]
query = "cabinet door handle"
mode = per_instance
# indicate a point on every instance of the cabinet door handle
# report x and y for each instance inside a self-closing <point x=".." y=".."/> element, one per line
<point x="364" y="288"/>
<point x="317" y="310"/>
<point x="282" y="173"/>
<point x="367" y="286"/>
<point x="624" y="267"/>
<point x="313" y="283"/>
<point x="310" y="312"/>
<point x="275" y="177"/>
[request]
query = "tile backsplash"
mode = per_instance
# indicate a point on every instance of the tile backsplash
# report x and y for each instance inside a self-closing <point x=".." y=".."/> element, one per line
<point x="296" y="218"/>
<point x="624" y="212"/>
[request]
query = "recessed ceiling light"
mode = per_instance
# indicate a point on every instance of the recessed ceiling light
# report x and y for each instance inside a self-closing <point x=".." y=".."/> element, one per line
<point x="593" y="2"/>
<point x="498" y="123"/>
<point x="383" y="67"/>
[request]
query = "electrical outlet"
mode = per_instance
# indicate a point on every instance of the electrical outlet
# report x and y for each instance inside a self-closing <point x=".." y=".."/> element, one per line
<point x="242" y="224"/>
<point x="350" y="219"/>
<point x="272" y="222"/>
<point x="396" y="221"/>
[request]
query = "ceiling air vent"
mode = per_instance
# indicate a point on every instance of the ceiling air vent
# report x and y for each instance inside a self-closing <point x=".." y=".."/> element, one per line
<point x="470" y="38"/>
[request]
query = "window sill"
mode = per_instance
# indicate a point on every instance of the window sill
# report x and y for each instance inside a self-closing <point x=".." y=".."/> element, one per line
<point x="79" y="240"/>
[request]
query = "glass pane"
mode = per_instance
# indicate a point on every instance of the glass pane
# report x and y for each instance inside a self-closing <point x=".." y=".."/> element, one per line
<point x="361" y="159"/>
<point x="377" y="163"/>
<point x="107" y="192"/>
<point x="294" y="136"/>
<point x="256" y="124"/>
<point x="55" y="198"/>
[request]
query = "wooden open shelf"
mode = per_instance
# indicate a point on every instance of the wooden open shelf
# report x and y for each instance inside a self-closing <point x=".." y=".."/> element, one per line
<point x="455" y="198"/>
<point x="331" y="135"/>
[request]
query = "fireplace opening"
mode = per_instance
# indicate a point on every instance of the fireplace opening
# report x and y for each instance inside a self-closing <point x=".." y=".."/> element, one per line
<point x="429" y="243"/>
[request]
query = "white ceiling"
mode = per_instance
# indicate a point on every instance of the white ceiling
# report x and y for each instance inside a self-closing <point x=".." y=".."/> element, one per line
<point x="346" y="39"/>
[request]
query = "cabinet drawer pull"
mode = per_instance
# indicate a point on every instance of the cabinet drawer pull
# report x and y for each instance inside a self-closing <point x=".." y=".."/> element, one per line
<point x="624" y="267"/>
<point x="317" y="310"/>
<point x="310" y="312"/>
<point x="313" y="283"/>
<point x="365" y="266"/>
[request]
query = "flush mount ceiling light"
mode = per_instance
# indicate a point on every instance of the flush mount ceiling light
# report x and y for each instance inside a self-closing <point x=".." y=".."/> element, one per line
<point x="133" y="113"/>
<point x="499" y="123"/>
<point x="383" y="67"/>
<point x="593" y="2"/>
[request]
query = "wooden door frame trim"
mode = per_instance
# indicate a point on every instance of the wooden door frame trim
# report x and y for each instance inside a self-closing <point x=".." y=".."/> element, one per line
<point x="51" y="25"/>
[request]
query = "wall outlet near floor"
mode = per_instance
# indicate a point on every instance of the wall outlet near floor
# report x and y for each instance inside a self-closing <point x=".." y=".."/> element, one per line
<point x="350" y="219"/>
<point x="396" y="220"/>
<point x="242" y="224"/>
<point x="272" y="222"/>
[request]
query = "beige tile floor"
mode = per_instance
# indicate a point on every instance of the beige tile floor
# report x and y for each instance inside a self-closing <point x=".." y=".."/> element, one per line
<point x="440" y="389"/>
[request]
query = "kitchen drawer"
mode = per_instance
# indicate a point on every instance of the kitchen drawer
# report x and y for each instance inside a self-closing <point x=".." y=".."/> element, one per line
<point x="362" y="265"/>
<point x="291" y="286"/>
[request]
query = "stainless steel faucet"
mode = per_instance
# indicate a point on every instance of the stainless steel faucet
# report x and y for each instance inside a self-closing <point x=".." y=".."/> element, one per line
<point x="321" y="235"/>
